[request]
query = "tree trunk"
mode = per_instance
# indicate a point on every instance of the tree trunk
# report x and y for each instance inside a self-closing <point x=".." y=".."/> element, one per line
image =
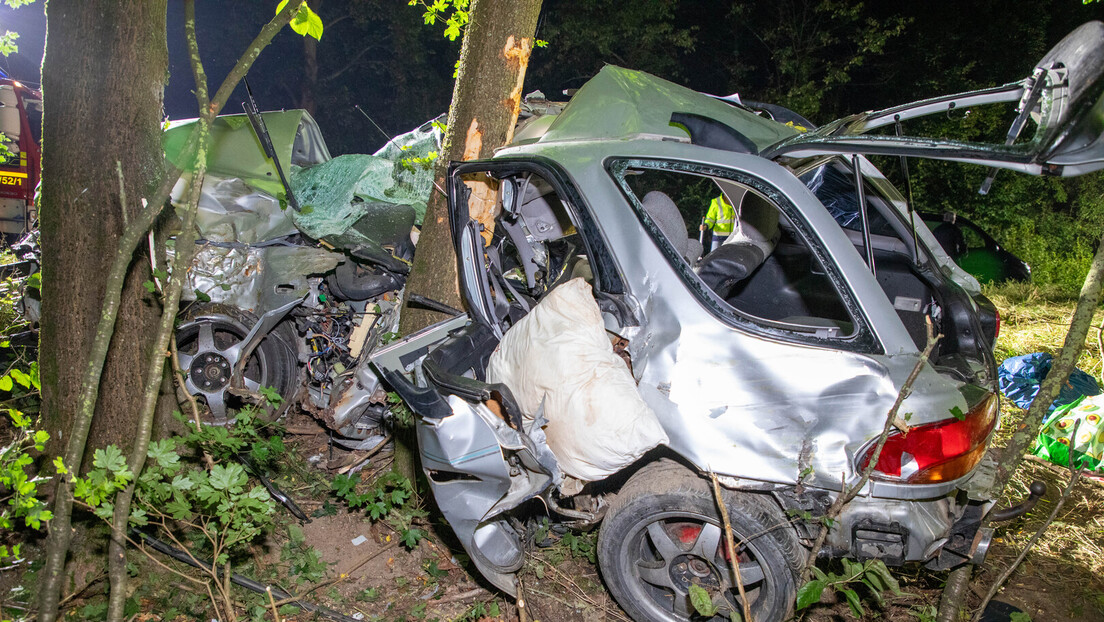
<point x="104" y="74"/>
<point x="103" y="79"/>
<point x="484" y="109"/>
<point x="309" y="84"/>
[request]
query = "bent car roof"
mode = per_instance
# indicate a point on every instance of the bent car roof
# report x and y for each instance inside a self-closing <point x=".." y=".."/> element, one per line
<point x="621" y="103"/>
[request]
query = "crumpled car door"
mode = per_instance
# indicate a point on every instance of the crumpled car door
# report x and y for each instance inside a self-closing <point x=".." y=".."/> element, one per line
<point x="478" y="457"/>
<point x="1064" y="96"/>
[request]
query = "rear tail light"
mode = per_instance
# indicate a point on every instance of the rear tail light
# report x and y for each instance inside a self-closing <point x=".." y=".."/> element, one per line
<point x="937" y="452"/>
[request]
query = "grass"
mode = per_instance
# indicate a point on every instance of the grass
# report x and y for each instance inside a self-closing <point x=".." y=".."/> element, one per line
<point x="1035" y="319"/>
<point x="1068" y="561"/>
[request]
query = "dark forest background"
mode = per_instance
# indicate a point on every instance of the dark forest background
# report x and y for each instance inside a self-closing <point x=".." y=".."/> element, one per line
<point x="822" y="58"/>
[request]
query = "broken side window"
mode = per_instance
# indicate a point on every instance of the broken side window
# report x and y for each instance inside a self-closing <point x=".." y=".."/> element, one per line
<point x="536" y="236"/>
<point x="897" y="268"/>
<point x="765" y="270"/>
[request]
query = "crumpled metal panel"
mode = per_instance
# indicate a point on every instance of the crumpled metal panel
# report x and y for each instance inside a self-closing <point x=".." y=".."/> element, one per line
<point x="463" y="457"/>
<point x="227" y="276"/>
<point x="621" y="103"/>
<point x="257" y="279"/>
<point x="231" y="211"/>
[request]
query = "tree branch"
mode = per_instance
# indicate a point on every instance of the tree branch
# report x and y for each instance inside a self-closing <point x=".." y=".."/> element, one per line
<point x="849" y="493"/>
<point x="185" y="251"/>
<point x="1075" y="475"/>
<point x="283" y="18"/>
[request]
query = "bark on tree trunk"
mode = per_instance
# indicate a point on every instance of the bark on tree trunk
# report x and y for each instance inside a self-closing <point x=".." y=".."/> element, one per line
<point x="484" y="109"/>
<point x="309" y="84"/>
<point x="103" y="79"/>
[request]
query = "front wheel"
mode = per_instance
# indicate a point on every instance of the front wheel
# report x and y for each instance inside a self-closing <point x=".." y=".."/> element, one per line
<point x="663" y="533"/>
<point x="209" y="341"/>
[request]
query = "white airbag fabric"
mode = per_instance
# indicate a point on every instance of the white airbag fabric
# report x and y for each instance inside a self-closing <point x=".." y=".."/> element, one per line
<point x="559" y="354"/>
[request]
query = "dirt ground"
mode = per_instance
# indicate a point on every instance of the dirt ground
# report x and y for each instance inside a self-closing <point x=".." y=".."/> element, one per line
<point x="368" y="574"/>
<point x="1062" y="578"/>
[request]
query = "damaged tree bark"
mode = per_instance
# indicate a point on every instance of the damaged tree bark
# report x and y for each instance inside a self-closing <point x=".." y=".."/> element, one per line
<point x="484" y="110"/>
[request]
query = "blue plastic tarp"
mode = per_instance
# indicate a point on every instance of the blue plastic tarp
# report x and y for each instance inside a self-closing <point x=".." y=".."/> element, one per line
<point x="1020" y="377"/>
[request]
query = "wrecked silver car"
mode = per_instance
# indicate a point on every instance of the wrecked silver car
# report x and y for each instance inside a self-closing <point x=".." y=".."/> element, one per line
<point x="606" y="361"/>
<point x="295" y="280"/>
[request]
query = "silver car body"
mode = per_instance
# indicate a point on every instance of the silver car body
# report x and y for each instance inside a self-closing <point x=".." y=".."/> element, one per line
<point x="784" y="410"/>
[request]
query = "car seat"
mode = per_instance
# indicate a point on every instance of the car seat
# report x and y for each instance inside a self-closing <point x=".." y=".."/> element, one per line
<point x="752" y="241"/>
<point x="667" y="217"/>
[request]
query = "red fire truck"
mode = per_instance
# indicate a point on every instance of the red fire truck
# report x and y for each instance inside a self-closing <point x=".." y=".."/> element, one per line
<point x="19" y="164"/>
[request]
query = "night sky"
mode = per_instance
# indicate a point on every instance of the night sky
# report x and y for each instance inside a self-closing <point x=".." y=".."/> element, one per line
<point x="382" y="58"/>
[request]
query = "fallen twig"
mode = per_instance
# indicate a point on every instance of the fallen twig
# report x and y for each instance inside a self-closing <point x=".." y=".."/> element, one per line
<point x="462" y="596"/>
<point x="361" y="460"/>
<point x="272" y="603"/>
<point x="304" y="430"/>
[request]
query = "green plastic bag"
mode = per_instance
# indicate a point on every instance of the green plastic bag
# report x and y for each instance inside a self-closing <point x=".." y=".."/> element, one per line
<point x="1054" y="441"/>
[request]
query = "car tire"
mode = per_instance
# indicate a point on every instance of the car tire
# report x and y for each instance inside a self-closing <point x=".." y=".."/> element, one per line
<point x="663" y="532"/>
<point x="205" y="338"/>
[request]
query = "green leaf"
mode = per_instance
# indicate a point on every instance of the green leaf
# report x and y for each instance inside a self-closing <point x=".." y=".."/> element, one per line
<point x="150" y="287"/>
<point x="6" y="382"/>
<point x="878" y="567"/>
<point x="21" y="377"/>
<point x="327" y="509"/>
<point x="271" y="395"/>
<point x="1019" y="616"/>
<point x="433" y="571"/>
<point x="228" y="477"/>
<point x="874" y="589"/>
<point x="344" y="485"/>
<point x="701" y="601"/>
<point x="138" y="517"/>
<point x="179" y="509"/>
<point x="853" y="602"/>
<point x="164" y="452"/>
<point x="957" y="413"/>
<point x="809" y="594"/>
<point x="202" y="297"/>
<point x="410" y="537"/>
<point x="110" y="459"/>
<point x="306" y="22"/>
<point x="105" y="511"/>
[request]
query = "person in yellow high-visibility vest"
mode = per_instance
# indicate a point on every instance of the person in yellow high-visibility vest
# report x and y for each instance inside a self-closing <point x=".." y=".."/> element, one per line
<point x="721" y="218"/>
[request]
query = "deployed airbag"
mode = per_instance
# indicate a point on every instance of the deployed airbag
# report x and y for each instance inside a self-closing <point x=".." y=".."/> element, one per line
<point x="559" y="355"/>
